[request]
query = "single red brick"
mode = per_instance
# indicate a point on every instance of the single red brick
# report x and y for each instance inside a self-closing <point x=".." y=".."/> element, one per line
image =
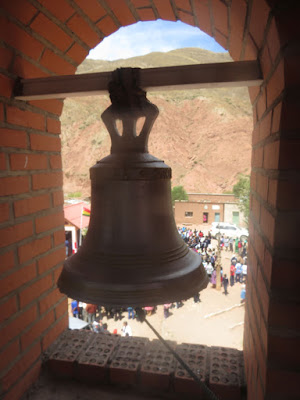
<point x="61" y="308"/>
<point x="50" y="31"/>
<point x="45" y="143"/>
<point x="53" y="106"/>
<point x="53" y="125"/>
<point x="31" y="205"/>
<point x="261" y="104"/>
<point x="255" y="208"/>
<point x="27" y="380"/>
<point x="34" y="248"/>
<point x="51" y="260"/>
<point x="6" y="57"/>
<point x="271" y="155"/>
<point x="272" y="192"/>
<point x="186" y="18"/>
<point x="263" y="294"/>
<point x="61" y="9"/>
<point x="27" y="161"/>
<point x="107" y="26"/>
<point x="121" y="11"/>
<point x="4" y="212"/>
<point x="6" y="86"/>
<point x="58" y="198"/>
<point x="282" y="315"/>
<point x="34" y="291"/>
<point x="165" y="10"/>
<point x="57" y="64"/>
<point x="251" y="51"/>
<point x="45" y="181"/>
<point x="1" y="112"/>
<point x="25" y="69"/>
<point x="237" y="16"/>
<point x="77" y="53"/>
<point x="7" y="309"/>
<point x="257" y="157"/>
<point x="14" y="185"/>
<point x="21" y="366"/>
<point x="17" y="279"/>
<point x="265" y="126"/>
<point x="262" y="186"/>
<point x="37" y="330"/>
<point x="9" y="354"/>
<point x="50" y="300"/>
<point x="265" y="61"/>
<point x="273" y="40"/>
<point x="56" y="162"/>
<point x="57" y="272"/>
<point x="183" y="5"/>
<point x="267" y="266"/>
<point x="93" y="9"/>
<point x="29" y="119"/>
<point x="146" y="14"/>
<point x="7" y="261"/>
<point x="17" y="325"/>
<point x="59" y="237"/>
<point x="48" y="222"/>
<point x="20" y="9"/>
<point x="3" y="163"/>
<point x="258" y="20"/>
<point x="221" y="39"/>
<point x="83" y="30"/>
<point x="15" y="233"/>
<point x="18" y="38"/>
<point x="13" y="138"/>
<point x="259" y="247"/>
<point x="220" y="16"/>
<point x="267" y="223"/>
<point x="55" y="331"/>
<point x="276" y="84"/>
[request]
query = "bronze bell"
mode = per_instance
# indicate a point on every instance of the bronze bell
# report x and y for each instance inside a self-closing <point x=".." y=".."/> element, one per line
<point x="132" y="254"/>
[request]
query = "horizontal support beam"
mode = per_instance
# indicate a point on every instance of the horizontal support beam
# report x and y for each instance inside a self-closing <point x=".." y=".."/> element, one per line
<point x="229" y="74"/>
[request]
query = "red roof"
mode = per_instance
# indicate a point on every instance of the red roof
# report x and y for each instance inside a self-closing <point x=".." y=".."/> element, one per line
<point x="73" y="215"/>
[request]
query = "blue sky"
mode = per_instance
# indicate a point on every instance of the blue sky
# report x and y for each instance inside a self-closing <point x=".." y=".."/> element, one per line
<point x="146" y="37"/>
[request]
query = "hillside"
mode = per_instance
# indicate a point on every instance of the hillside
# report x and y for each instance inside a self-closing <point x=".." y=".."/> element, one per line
<point x="204" y="135"/>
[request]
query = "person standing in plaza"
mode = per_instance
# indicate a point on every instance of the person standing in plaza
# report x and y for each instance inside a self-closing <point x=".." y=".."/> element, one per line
<point x="232" y="273"/>
<point x="126" y="330"/>
<point x="225" y="284"/>
<point x="74" y="306"/>
<point x="91" y="312"/>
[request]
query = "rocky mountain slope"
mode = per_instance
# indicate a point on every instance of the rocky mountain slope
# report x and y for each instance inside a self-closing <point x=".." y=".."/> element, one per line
<point x="204" y="135"/>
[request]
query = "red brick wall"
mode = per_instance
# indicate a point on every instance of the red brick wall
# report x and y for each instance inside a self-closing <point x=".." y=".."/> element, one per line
<point x="40" y="38"/>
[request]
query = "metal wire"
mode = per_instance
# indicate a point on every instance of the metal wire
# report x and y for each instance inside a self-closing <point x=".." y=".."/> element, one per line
<point x="209" y="395"/>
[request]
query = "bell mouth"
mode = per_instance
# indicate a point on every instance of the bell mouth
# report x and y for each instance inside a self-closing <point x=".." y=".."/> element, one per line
<point x="186" y="277"/>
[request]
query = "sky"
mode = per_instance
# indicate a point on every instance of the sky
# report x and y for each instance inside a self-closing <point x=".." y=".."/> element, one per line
<point x="146" y="37"/>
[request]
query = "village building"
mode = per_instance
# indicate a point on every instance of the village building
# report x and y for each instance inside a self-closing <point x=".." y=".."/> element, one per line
<point x="205" y="208"/>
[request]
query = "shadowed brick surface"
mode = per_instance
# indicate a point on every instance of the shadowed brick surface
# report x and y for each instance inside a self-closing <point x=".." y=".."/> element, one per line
<point x="105" y="358"/>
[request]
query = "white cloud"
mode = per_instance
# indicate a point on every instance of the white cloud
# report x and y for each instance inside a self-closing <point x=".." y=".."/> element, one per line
<point x="146" y="37"/>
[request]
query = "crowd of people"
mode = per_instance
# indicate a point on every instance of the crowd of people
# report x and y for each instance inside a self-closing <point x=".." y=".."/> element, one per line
<point x="198" y="242"/>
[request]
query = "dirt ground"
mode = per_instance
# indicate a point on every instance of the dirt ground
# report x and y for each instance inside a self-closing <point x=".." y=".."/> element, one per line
<point x="190" y="323"/>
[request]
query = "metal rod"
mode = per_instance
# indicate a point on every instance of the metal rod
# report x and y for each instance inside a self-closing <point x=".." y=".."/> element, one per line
<point x="208" y="393"/>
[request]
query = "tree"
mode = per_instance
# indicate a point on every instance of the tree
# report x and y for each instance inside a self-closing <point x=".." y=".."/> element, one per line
<point x="241" y="190"/>
<point x="179" y="193"/>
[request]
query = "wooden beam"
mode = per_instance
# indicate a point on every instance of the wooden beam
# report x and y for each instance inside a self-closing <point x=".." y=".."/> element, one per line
<point x="229" y="74"/>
